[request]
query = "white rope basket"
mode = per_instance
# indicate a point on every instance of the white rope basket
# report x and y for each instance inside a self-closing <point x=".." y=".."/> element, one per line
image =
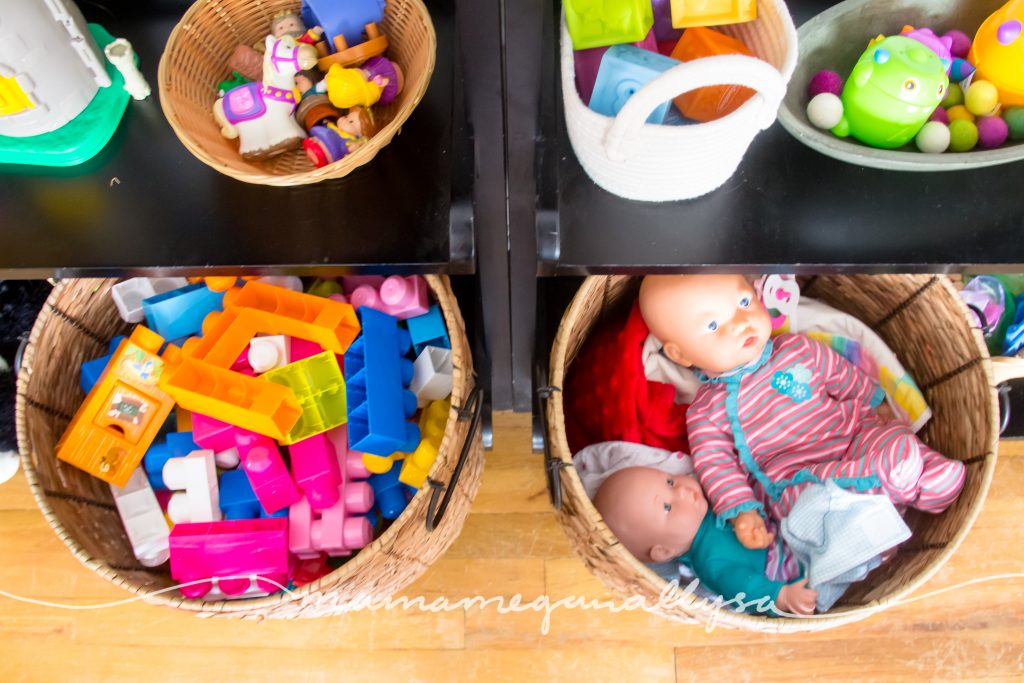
<point x="653" y="162"/>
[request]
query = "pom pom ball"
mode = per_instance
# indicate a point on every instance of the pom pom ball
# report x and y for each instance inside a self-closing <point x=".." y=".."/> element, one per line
<point x="933" y="138"/>
<point x="960" y="69"/>
<point x="954" y="96"/>
<point x="960" y="112"/>
<point x="825" y="81"/>
<point x="940" y="115"/>
<point x="961" y="42"/>
<point x="963" y="135"/>
<point x="825" y="111"/>
<point x="1014" y="117"/>
<point x="992" y="132"/>
<point x="982" y="98"/>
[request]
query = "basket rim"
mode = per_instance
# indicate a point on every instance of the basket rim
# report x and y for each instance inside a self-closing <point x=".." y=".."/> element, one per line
<point x="573" y="486"/>
<point x="337" y="169"/>
<point x="463" y="383"/>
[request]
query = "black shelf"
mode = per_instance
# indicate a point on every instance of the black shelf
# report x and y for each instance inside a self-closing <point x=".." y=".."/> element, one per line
<point x="409" y="210"/>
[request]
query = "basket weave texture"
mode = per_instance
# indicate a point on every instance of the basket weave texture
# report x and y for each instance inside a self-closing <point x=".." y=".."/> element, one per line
<point x="74" y="326"/>
<point x="195" y="61"/>
<point x="925" y="323"/>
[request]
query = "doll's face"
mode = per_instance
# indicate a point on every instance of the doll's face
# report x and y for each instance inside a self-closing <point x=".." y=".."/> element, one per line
<point x="712" y="322"/>
<point x="288" y="25"/>
<point x="350" y="123"/>
<point x="655" y="515"/>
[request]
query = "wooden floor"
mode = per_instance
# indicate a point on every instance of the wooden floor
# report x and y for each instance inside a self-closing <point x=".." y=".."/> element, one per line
<point x="510" y="544"/>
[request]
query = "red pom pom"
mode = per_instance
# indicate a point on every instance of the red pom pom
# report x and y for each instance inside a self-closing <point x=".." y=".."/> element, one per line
<point x="825" y="81"/>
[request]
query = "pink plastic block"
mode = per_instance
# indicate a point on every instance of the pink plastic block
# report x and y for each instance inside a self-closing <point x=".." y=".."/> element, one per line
<point x="302" y="349"/>
<point x="402" y="297"/>
<point x="350" y="282"/>
<point x="212" y="433"/>
<point x="340" y="298"/>
<point x="212" y="552"/>
<point x="268" y="475"/>
<point x="588" y="62"/>
<point x="241" y="363"/>
<point x="315" y="469"/>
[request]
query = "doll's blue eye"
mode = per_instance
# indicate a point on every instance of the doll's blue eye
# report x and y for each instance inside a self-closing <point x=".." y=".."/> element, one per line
<point x="668" y="507"/>
<point x="712" y="326"/>
<point x="744" y="302"/>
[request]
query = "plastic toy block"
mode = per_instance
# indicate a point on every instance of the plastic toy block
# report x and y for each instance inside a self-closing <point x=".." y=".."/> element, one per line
<point x="315" y="469"/>
<point x="227" y="553"/>
<point x="237" y="498"/>
<point x="379" y="464"/>
<point x="349" y="283"/>
<point x="687" y="13"/>
<point x="431" y="375"/>
<point x="588" y="62"/>
<point x="194" y="479"/>
<point x="663" y="28"/>
<point x="376" y="377"/>
<point x="92" y="371"/>
<point x="324" y="288"/>
<point x="400" y="296"/>
<point x="345" y="19"/>
<point x="232" y="397"/>
<point x="428" y="330"/>
<point x="593" y="23"/>
<point x="267" y="472"/>
<point x="308" y="571"/>
<point x="283" y="281"/>
<point x="417" y="464"/>
<point x="227" y="459"/>
<point x="267" y="353"/>
<point x="392" y="495"/>
<point x="183" y="419"/>
<point x="712" y="102"/>
<point x="319" y="386"/>
<point x="128" y="295"/>
<point x="123" y="414"/>
<point x="174" y="445"/>
<point x="143" y="520"/>
<point x="300" y="349"/>
<point x="624" y="70"/>
<point x="180" y="312"/>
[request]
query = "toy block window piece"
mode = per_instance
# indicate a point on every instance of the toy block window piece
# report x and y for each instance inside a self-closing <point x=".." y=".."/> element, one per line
<point x="588" y="62"/>
<point x="319" y="386"/>
<point x="122" y="415"/>
<point x="433" y="423"/>
<point x="391" y="495"/>
<point x="129" y="294"/>
<point x="143" y="520"/>
<point x="175" y="445"/>
<point x="204" y="555"/>
<point x="346" y="19"/>
<point x="431" y="375"/>
<point x="594" y="23"/>
<point x="712" y="102"/>
<point x="624" y="70"/>
<point x="376" y="377"/>
<point x="428" y="330"/>
<point x="194" y="479"/>
<point x="267" y="353"/>
<point x="687" y="13"/>
<point x="237" y="498"/>
<point x="267" y="472"/>
<point x="180" y="312"/>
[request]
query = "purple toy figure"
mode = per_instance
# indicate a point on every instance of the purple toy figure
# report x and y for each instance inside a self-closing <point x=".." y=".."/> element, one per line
<point x="941" y="46"/>
<point x="588" y="63"/>
<point x="382" y="66"/>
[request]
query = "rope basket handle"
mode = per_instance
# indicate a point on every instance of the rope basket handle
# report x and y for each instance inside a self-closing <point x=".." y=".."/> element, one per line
<point x="751" y="72"/>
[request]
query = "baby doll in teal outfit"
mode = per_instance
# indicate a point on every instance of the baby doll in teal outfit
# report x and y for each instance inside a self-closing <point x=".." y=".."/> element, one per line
<point x="659" y="517"/>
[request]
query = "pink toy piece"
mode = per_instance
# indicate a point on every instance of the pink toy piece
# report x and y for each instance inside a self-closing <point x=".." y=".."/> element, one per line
<point x="400" y="296"/>
<point x="302" y="349"/>
<point x="588" y="62"/>
<point x="241" y="363"/>
<point x="940" y="115"/>
<point x="940" y="46"/>
<point x="209" y="552"/>
<point x="960" y="43"/>
<point x="212" y="433"/>
<point x="340" y="298"/>
<point x="364" y="295"/>
<point x="315" y="469"/>
<point x="194" y="480"/>
<point x="352" y="460"/>
<point x="992" y="132"/>
<point x="350" y="282"/>
<point x="825" y="81"/>
<point x="268" y="475"/>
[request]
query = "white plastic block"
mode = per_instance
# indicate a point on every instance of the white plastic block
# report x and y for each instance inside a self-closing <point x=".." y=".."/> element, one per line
<point x="286" y="281"/>
<point x="194" y="478"/>
<point x="267" y="353"/>
<point x="143" y="520"/>
<point x="227" y="460"/>
<point x="128" y="295"/>
<point x="431" y="375"/>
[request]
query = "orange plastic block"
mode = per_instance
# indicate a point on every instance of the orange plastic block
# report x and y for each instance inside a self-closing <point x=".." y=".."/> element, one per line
<point x="716" y="101"/>
<point x="687" y="13"/>
<point x="122" y="415"/>
<point x="247" y="402"/>
<point x="220" y="283"/>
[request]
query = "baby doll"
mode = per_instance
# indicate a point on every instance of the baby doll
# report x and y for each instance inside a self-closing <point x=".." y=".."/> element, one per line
<point x="773" y="416"/>
<point x="659" y="517"/>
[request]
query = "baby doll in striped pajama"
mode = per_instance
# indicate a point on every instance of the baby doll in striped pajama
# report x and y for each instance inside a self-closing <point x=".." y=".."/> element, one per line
<point x="775" y="415"/>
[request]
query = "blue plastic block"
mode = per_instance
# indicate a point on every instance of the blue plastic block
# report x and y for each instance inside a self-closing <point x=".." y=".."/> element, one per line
<point x="428" y="330"/>
<point x="624" y="70"/>
<point x="92" y="371"/>
<point x="376" y="377"/>
<point x="115" y="342"/>
<point x="237" y="499"/>
<point x="348" y="18"/>
<point x="390" y="495"/>
<point x="176" y="445"/>
<point x="180" y="312"/>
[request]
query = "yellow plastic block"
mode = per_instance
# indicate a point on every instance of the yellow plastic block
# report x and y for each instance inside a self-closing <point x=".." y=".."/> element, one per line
<point x="379" y="464"/>
<point x="687" y="13"/>
<point x="433" y="423"/>
<point x="319" y="386"/>
<point x="122" y="415"/>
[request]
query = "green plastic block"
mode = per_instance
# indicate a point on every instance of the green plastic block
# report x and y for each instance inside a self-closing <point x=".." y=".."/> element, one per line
<point x="319" y="386"/>
<point x="596" y="23"/>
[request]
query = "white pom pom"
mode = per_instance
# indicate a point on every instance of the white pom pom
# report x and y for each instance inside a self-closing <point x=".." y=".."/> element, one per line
<point x="933" y="138"/>
<point x="825" y="111"/>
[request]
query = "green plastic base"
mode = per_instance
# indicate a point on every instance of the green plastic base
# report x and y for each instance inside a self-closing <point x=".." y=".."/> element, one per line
<point x="84" y="136"/>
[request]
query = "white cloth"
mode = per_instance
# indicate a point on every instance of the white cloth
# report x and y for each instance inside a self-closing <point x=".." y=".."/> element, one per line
<point x="839" y="536"/>
<point x="597" y="462"/>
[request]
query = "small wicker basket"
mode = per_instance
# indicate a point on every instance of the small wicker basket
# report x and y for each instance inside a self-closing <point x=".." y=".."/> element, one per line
<point x="74" y="326"/>
<point x="925" y="323"/>
<point x="195" y="60"/>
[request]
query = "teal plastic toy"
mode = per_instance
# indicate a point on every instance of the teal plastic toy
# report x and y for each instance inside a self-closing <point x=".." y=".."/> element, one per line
<point x="894" y="87"/>
<point x="84" y="136"/>
<point x="596" y="23"/>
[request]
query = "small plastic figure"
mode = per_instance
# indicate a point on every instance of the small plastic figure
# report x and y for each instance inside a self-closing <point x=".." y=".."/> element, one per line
<point x="353" y="87"/>
<point x="291" y="24"/>
<point x="122" y="56"/>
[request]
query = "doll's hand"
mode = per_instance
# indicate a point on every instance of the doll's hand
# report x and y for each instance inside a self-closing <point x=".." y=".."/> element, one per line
<point x="884" y="412"/>
<point x="797" y="598"/>
<point x="751" y="531"/>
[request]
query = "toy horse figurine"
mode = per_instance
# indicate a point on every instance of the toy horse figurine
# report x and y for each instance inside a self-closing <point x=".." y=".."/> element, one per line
<point x="260" y="114"/>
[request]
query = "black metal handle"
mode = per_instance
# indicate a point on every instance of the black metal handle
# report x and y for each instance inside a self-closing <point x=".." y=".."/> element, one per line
<point x="474" y="410"/>
<point x="552" y="465"/>
<point x="1004" y="407"/>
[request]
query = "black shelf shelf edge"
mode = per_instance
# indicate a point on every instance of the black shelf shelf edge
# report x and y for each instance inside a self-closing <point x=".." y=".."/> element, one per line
<point x="145" y="205"/>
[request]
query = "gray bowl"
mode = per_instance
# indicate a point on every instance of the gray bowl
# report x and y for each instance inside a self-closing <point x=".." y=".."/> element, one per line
<point x="835" y="40"/>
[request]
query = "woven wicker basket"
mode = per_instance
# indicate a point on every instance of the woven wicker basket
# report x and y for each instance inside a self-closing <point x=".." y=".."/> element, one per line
<point x="196" y="58"/>
<point x="923" y="320"/>
<point x="75" y="325"/>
